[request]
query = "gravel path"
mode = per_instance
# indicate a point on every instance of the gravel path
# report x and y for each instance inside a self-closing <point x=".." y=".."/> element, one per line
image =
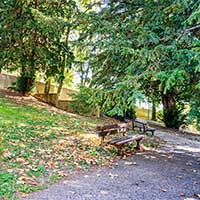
<point x="169" y="173"/>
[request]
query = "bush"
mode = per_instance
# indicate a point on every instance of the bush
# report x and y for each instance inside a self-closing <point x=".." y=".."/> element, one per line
<point x="82" y="104"/>
<point x="22" y="85"/>
<point x="173" y="118"/>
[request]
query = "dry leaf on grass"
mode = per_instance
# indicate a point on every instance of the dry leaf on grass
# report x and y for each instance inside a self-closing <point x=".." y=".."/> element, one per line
<point x="24" y="195"/>
<point x="6" y="153"/>
<point x="20" y="160"/>
<point x="62" y="173"/>
<point x="26" y="179"/>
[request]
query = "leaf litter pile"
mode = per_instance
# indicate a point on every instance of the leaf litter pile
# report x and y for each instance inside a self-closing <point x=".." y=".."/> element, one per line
<point x="38" y="147"/>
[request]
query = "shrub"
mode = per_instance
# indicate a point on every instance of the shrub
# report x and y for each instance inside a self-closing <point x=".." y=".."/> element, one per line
<point x="82" y="104"/>
<point x="173" y="118"/>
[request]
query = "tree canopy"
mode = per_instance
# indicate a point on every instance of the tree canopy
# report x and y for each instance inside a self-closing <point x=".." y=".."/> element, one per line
<point x="148" y="47"/>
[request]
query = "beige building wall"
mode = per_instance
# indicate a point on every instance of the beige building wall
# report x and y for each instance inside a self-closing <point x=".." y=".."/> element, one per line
<point x="7" y="80"/>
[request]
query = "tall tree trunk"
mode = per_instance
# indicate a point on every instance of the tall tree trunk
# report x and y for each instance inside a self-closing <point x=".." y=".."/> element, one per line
<point x="169" y="110"/>
<point x="59" y="88"/>
<point x="59" y="91"/>
<point x="47" y="86"/>
<point x="63" y="64"/>
<point x="153" y="114"/>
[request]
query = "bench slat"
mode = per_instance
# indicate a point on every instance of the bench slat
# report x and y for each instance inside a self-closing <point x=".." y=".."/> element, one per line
<point x="113" y="141"/>
<point x="140" y="137"/>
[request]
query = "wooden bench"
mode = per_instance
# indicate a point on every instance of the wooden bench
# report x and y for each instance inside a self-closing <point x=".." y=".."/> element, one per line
<point x="142" y="125"/>
<point x="106" y="130"/>
<point x="111" y="129"/>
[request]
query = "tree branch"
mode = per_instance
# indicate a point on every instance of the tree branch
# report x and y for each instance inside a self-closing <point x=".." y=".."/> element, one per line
<point x="188" y="30"/>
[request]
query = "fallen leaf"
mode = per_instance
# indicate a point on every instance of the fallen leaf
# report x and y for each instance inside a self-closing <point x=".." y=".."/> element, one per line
<point x="113" y="175"/>
<point x="197" y="195"/>
<point x="98" y="175"/>
<point x="52" y="164"/>
<point x="62" y="173"/>
<point x="104" y="192"/>
<point x="144" y="148"/>
<point x="24" y="195"/>
<point x="189" y="164"/>
<point x="20" y="160"/>
<point x="26" y="179"/>
<point x="61" y="142"/>
<point x="6" y="153"/>
<point x="130" y="163"/>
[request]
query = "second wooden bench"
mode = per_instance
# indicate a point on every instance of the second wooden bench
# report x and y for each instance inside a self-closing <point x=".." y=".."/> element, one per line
<point x="106" y="130"/>
<point x="142" y="125"/>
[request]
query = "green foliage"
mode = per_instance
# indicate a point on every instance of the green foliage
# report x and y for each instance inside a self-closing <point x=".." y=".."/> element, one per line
<point x="156" y="53"/>
<point x="24" y="84"/>
<point x="7" y="189"/>
<point x="118" y="104"/>
<point x="36" y="37"/>
<point x="82" y="103"/>
<point x="194" y="114"/>
<point x="174" y="117"/>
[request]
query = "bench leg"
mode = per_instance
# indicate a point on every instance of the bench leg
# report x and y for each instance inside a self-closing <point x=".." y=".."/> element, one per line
<point x="120" y="150"/>
<point x="138" y="144"/>
<point x="102" y="139"/>
<point x="133" y="125"/>
<point x="152" y="132"/>
<point x="144" y="129"/>
<point x="124" y="133"/>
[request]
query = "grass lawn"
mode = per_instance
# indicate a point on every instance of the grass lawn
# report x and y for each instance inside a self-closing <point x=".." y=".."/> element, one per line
<point x="38" y="147"/>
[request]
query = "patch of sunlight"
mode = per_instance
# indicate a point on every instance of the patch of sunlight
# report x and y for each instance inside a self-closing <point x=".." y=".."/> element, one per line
<point x="43" y="133"/>
<point x="7" y="121"/>
<point x="57" y="128"/>
<point x="192" y="128"/>
<point x="190" y="149"/>
<point x="142" y="113"/>
<point x="91" y="138"/>
<point x="190" y="199"/>
<point x="22" y="124"/>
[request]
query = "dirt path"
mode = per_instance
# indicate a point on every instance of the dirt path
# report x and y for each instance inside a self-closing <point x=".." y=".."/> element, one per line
<point x="169" y="173"/>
